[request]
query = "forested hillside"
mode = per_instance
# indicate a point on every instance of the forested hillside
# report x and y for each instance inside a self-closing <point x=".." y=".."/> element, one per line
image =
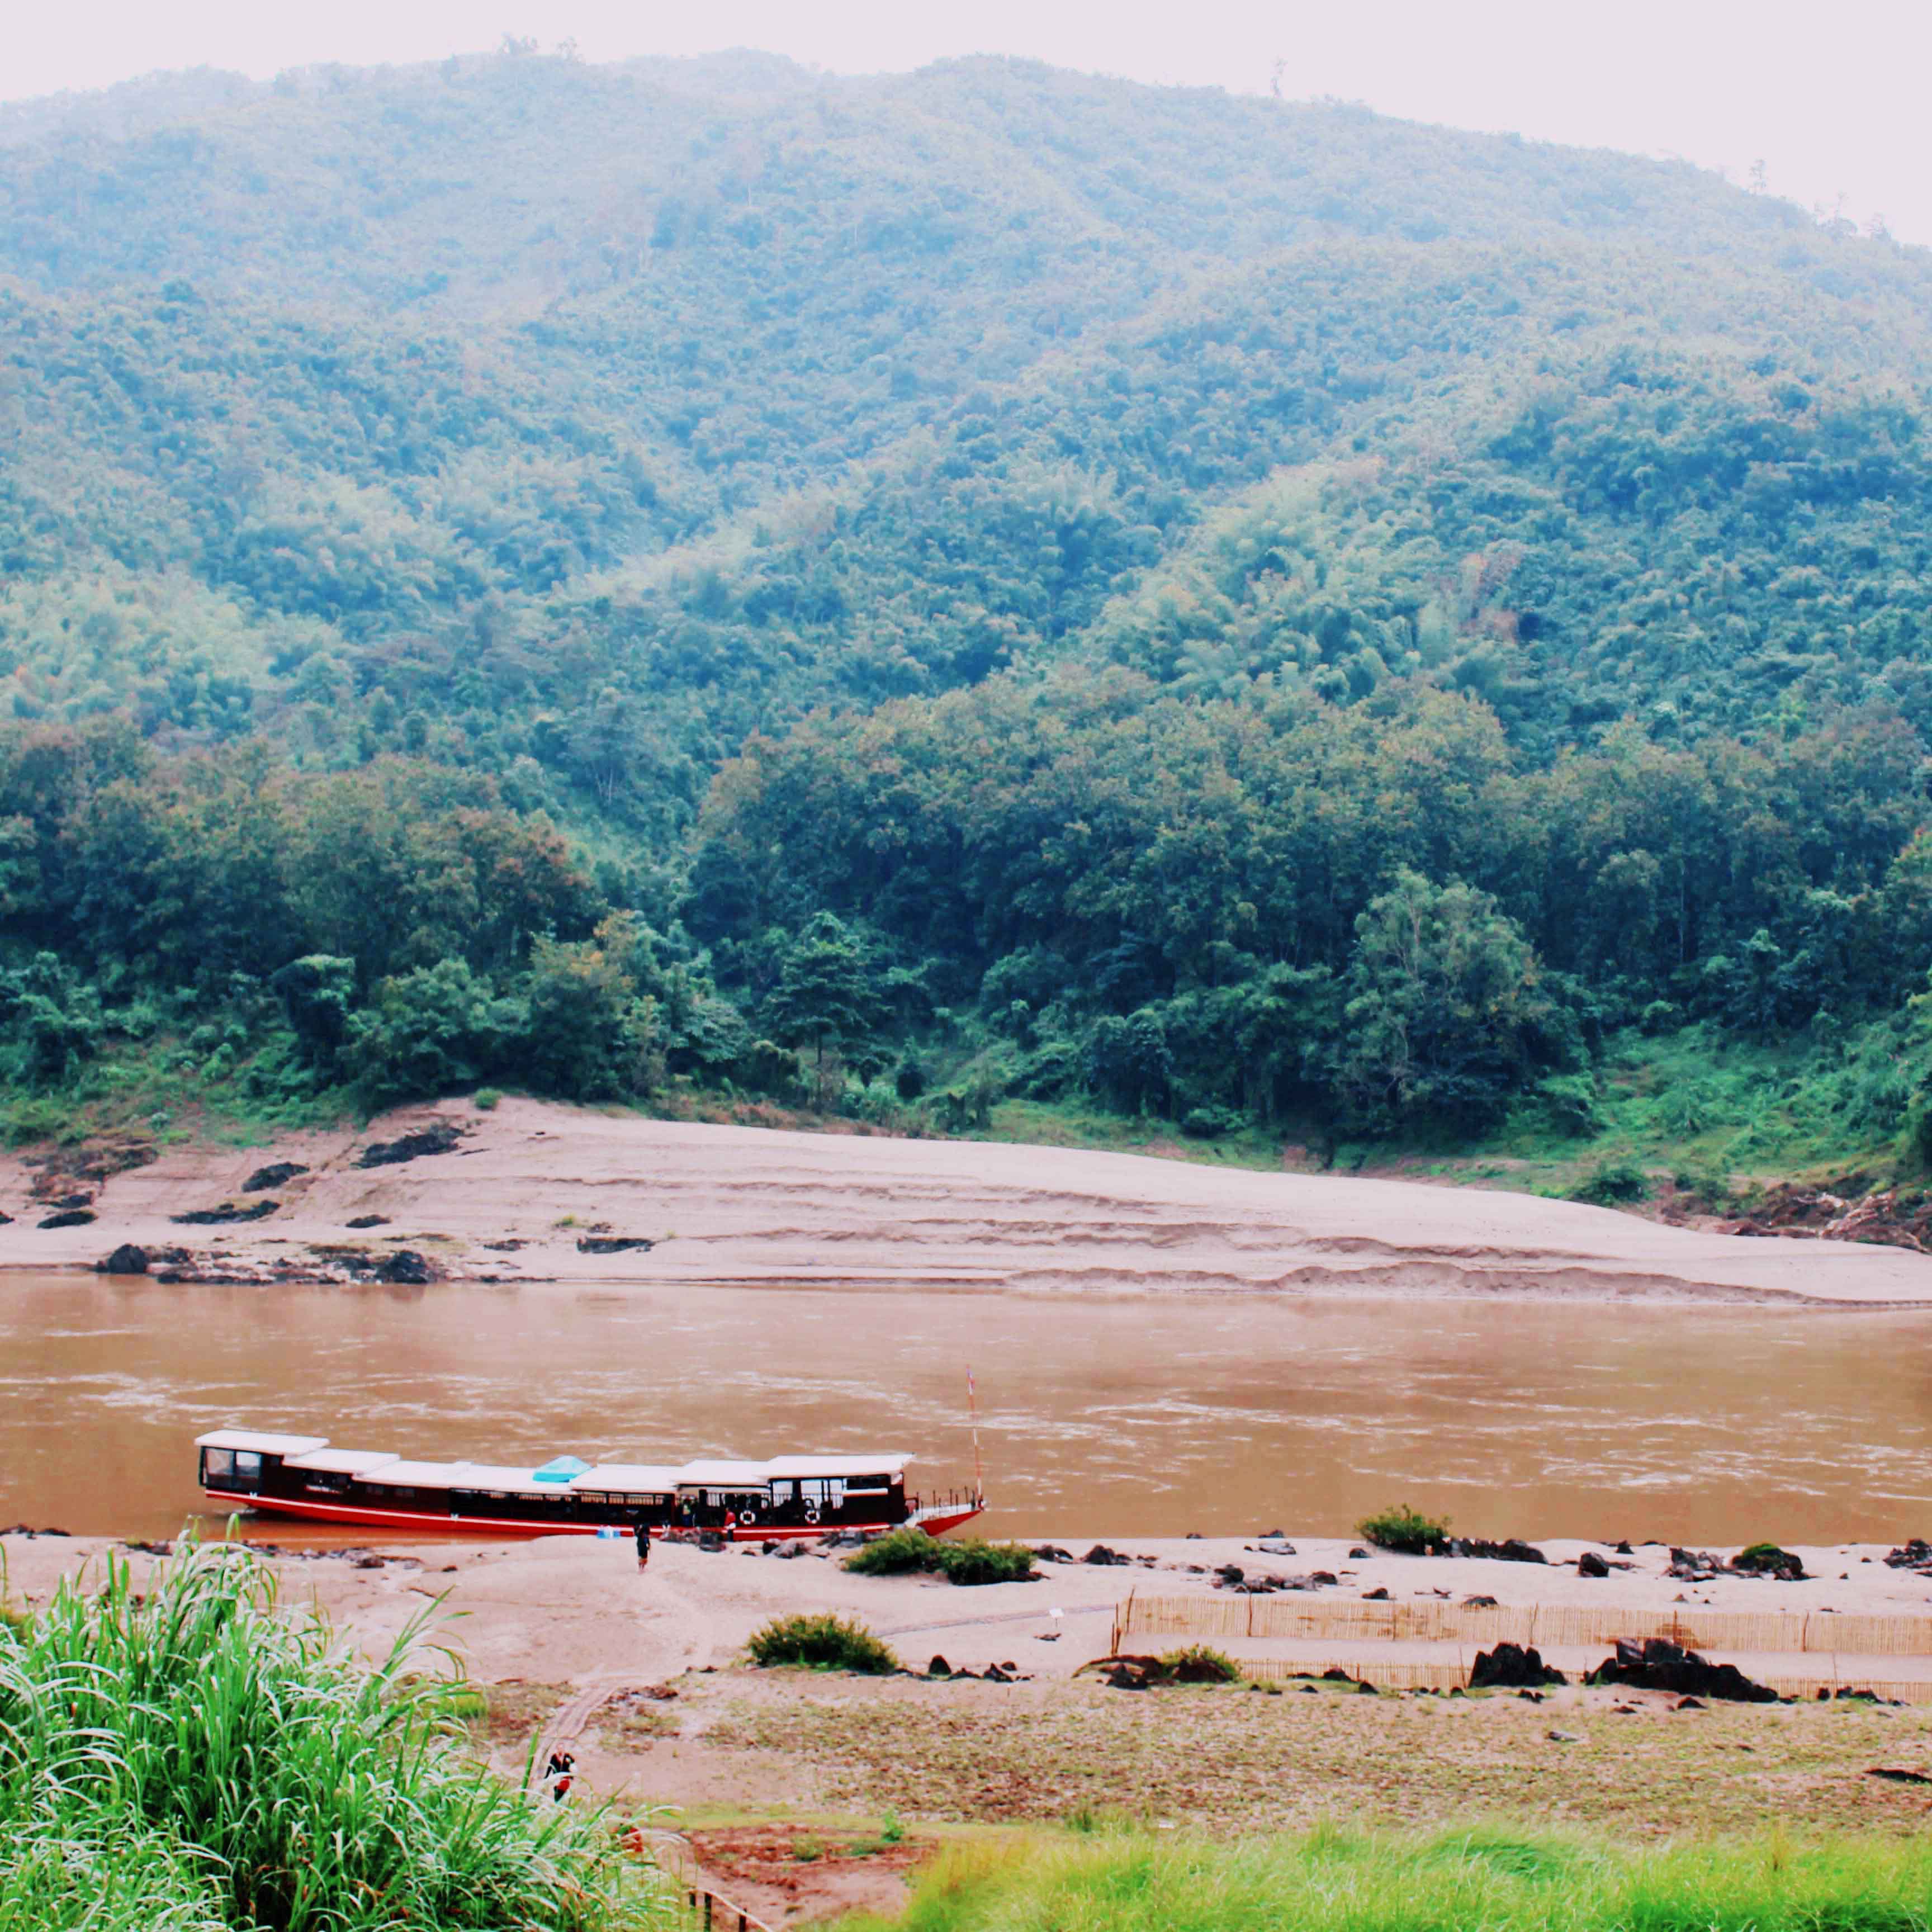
<point x="913" y="594"/>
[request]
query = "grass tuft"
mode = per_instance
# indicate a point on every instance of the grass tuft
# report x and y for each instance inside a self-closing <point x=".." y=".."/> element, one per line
<point x="821" y="1641"/>
<point x="188" y="1760"/>
<point x="1405" y="1530"/>
<point x="1125" y="1880"/>
<point x="969" y="1561"/>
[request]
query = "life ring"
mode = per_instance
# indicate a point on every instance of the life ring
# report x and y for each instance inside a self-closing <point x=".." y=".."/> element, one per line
<point x="746" y="1518"/>
<point x="812" y="1512"/>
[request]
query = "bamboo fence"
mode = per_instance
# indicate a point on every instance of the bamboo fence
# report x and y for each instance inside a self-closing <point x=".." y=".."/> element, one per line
<point x="1548" y="1626"/>
<point x="1409" y="1676"/>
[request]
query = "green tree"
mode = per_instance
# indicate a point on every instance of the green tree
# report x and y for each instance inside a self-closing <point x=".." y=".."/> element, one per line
<point x="1447" y="1013"/>
<point x="827" y="993"/>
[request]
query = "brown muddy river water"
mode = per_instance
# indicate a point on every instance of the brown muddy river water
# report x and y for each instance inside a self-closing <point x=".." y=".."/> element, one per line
<point x="1098" y="1417"/>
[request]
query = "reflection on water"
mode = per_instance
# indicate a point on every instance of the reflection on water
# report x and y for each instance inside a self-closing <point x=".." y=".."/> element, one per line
<point x="1225" y="1415"/>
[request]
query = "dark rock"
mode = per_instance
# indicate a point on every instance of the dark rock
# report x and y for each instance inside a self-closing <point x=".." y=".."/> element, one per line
<point x="369" y="1221"/>
<point x="999" y="1673"/>
<point x="1511" y="1549"/>
<point x="939" y="1667"/>
<point x="82" y="1200"/>
<point x="1126" y="1676"/>
<point x="1590" y="1564"/>
<point x="1376" y="1596"/>
<point x="1051" y="1552"/>
<point x="439" y="1137"/>
<point x="1766" y="1559"/>
<point x="1274" y="1536"/>
<point x="1624" y="1548"/>
<point x="1898" y="1774"/>
<point x="218" y="1217"/>
<point x="69" y="1217"/>
<point x="277" y="1174"/>
<point x="1101" y="1554"/>
<point x="1479" y="1604"/>
<point x="1511" y="1666"/>
<point x="1915" y="1555"/>
<point x="1562" y="1737"/>
<point x="1657" y="1664"/>
<point x="509" y="1247"/>
<point x="1358" y="1555"/>
<point x="1323" y="1577"/>
<point x="126" y="1259"/>
<point x="1689" y="1704"/>
<point x="1229" y="1573"/>
<point x="1335" y="1674"/>
<point x="6" y="1220"/>
<point x="1692" y="1566"/>
<point x="368" y="1562"/>
<point x="611" y="1244"/>
<point x="406" y="1268"/>
<point x="1363" y="1688"/>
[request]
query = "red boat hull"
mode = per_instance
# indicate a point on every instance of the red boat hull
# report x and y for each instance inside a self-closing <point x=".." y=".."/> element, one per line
<point x="364" y="1518"/>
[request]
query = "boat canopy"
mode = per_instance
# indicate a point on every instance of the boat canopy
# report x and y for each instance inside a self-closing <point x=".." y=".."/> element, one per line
<point x="262" y="1445"/>
<point x="628" y="1479"/>
<point x="343" y="1461"/>
<point x="562" y="1472"/>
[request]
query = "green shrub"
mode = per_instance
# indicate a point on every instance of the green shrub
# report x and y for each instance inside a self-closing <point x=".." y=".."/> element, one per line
<point x="1405" y="1530"/>
<point x="895" y="1554"/>
<point x="188" y="1760"/>
<point x="821" y="1641"/>
<point x="485" y="1099"/>
<point x="970" y="1561"/>
<point x="1613" y="1184"/>
<point x="1201" y="1663"/>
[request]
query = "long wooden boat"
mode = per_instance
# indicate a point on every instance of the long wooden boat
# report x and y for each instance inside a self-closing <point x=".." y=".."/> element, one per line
<point x="792" y="1496"/>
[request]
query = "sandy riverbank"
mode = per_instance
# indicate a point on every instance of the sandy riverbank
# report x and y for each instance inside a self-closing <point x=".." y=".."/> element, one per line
<point x="527" y="1183"/>
<point x="576" y="1609"/>
<point x="774" y="1785"/>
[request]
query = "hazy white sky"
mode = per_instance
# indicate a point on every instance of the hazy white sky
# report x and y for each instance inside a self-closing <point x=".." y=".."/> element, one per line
<point x="1831" y="98"/>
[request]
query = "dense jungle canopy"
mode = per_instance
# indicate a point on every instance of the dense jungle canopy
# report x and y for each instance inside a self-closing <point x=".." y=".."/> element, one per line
<point x="899" y="592"/>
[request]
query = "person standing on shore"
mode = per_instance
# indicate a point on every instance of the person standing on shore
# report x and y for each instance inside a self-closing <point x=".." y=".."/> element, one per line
<point x="643" y="1543"/>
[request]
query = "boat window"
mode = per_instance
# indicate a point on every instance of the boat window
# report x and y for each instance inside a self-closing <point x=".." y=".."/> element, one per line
<point x="248" y="1465"/>
<point x="218" y="1465"/>
<point x="324" y="1482"/>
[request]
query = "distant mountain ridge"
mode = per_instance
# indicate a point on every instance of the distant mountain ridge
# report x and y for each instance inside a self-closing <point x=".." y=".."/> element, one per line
<point x="575" y="431"/>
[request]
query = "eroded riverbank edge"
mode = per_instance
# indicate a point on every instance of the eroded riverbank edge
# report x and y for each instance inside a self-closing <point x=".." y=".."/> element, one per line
<point x="532" y="1192"/>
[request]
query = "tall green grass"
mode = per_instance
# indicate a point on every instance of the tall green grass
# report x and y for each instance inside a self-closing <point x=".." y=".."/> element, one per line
<point x="191" y="1759"/>
<point x="1486" y="1881"/>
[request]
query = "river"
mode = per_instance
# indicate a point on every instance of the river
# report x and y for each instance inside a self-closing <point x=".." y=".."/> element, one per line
<point x="1097" y="1417"/>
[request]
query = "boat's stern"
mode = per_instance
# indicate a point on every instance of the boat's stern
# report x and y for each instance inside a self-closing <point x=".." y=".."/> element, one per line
<point x="936" y="1518"/>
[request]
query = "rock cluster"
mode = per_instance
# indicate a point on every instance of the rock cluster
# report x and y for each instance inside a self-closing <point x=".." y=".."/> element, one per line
<point x="1657" y="1664"/>
<point x="1512" y="1667"/>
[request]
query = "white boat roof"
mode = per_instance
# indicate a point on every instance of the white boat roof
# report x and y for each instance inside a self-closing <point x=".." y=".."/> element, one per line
<point x="313" y="1452"/>
<point x="839" y="1466"/>
<point x="344" y="1461"/>
<point x="714" y="1475"/>
<point x="492" y="1476"/>
<point x="631" y="1478"/>
<point x="423" y="1475"/>
<point x="267" y="1445"/>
